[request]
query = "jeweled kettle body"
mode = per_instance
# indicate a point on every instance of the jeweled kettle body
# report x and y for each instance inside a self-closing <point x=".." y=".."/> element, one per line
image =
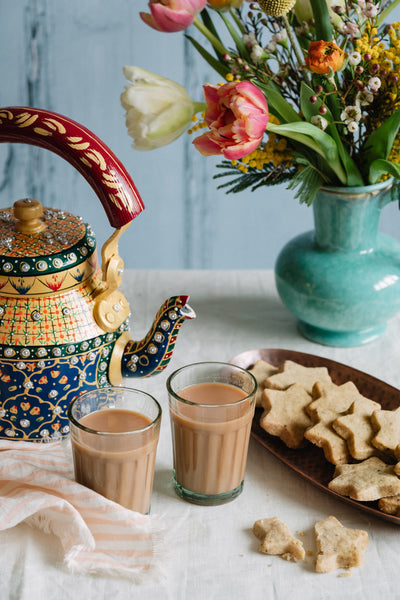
<point x="63" y="319"/>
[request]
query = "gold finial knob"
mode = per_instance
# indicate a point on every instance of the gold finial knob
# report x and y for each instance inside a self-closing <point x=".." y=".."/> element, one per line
<point x="28" y="213"/>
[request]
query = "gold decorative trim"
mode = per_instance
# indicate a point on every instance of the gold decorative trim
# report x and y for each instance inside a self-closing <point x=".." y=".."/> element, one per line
<point x="111" y="307"/>
<point x="115" y="366"/>
<point x="90" y="155"/>
<point x="86" y="273"/>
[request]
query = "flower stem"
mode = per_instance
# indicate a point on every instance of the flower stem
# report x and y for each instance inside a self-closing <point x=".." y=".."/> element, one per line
<point x="296" y="49"/>
<point x="199" y="107"/>
<point x="237" y="20"/>
<point x="219" y="47"/>
<point x="386" y="12"/>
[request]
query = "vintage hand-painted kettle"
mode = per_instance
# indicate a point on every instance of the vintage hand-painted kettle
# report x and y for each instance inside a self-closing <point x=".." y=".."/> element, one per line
<point x="63" y="320"/>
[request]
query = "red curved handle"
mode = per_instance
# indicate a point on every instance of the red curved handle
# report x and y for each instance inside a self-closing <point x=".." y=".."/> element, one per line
<point x="80" y="147"/>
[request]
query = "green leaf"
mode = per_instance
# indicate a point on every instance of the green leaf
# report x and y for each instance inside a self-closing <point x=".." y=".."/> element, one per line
<point x="354" y="177"/>
<point x="307" y="181"/>
<point x="308" y="108"/>
<point x="214" y="40"/>
<point x="236" y="36"/>
<point x="208" y="22"/>
<point x="382" y="167"/>
<point x="254" y="178"/>
<point x="323" y="26"/>
<point x="315" y="139"/>
<point x="280" y="108"/>
<point x="380" y="142"/>
<point x="385" y="13"/>
<point x="235" y="14"/>
<point x="212" y="61"/>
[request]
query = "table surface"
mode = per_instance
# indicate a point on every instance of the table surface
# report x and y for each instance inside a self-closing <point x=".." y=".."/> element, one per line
<point x="211" y="552"/>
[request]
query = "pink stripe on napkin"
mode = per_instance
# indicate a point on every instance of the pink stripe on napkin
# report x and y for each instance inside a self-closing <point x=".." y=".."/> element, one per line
<point x="97" y="535"/>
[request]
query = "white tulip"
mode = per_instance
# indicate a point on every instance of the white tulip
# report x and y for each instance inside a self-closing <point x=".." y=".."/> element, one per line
<point x="158" y="110"/>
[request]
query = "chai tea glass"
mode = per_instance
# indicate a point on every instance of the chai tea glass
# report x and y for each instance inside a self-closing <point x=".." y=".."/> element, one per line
<point x="211" y="407"/>
<point x="114" y="435"/>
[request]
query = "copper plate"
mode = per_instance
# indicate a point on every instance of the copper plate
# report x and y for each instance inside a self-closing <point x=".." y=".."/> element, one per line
<point x="309" y="462"/>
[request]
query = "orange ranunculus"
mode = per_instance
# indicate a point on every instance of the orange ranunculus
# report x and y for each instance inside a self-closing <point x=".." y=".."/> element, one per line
<point x="324" y="56"/>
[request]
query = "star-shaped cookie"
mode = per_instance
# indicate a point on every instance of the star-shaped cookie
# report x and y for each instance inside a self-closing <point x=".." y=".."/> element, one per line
<point x="356" y="428"/>
<point x="284" y="415"/>
<point x="386" y="424"/>
<point x="338" y="546"/>
<point x="330" y="401"/>
<point x="334" y="447"/>
<point x="261" y="371"/>
<point x="369" y="480"/>
<point x="332" y="397"/>
<point x="292" y="372"/>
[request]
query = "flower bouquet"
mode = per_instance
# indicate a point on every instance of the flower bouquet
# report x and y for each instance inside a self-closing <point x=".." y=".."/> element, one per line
<point x="310" y="91"/>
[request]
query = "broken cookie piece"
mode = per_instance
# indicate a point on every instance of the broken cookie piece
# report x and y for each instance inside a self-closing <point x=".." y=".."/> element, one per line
<point x="338" y="546"/>
<point x="275" y="538"/>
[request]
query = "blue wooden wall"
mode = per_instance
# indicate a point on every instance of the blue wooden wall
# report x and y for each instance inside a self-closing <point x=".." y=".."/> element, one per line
<point x="67" y="56"/>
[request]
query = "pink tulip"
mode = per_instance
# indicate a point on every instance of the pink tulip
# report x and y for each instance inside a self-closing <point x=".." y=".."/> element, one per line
<point x="237" y="115"/>
<point x="172" y="15"/>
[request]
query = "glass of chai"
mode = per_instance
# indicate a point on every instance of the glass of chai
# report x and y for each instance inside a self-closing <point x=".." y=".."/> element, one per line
<point x="114" y="435"/>
<point x="211" y="406"/>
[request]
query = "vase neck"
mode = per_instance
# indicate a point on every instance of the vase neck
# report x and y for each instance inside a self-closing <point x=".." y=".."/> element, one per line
<point x="345" y="220"/>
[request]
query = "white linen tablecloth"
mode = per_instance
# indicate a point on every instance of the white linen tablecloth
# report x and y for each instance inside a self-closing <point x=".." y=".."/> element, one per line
<point x="211" y="552"/>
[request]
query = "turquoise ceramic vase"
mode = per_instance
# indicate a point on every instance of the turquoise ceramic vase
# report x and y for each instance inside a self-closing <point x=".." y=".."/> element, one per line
<point x="342" y="280"/>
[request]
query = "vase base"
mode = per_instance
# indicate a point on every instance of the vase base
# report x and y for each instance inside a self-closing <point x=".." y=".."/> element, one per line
<point x="344" y="339"/>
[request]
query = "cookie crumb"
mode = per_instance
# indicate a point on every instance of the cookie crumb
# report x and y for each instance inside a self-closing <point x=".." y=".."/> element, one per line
<point x="345" y="573"/>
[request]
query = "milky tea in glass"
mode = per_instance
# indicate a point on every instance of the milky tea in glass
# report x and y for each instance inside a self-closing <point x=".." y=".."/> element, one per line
<point x="211" y="408"/>
<point x="114" y="435"/>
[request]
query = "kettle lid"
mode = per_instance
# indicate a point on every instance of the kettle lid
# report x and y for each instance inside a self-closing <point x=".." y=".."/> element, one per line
<point x="36" y="240"/>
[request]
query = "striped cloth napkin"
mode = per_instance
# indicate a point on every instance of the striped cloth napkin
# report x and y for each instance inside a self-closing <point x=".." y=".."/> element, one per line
<point x="97" y="535"/>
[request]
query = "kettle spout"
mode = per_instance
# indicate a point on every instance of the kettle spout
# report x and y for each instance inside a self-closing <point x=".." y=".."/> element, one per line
<point x="152" y="354"/>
